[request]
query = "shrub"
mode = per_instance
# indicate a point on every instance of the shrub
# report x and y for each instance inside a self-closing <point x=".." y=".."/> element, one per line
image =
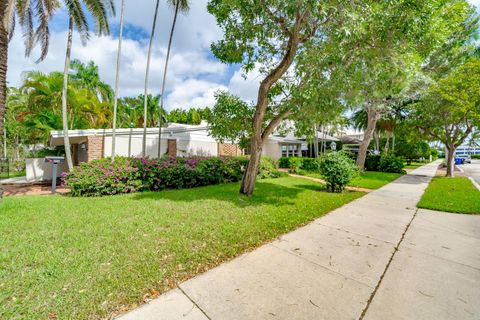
<point x="134" y="174"/>
<point x="310" y="164"/>
<point x="475" y="156"/>
<point x="337" y="169"/>
<point x="390" y="163"/>
<point x="372" y="162"/>
<point x="293" y="164"/>
<point x="296" y="165"/>
<point x="268" y="168"/>
<point x="101" y="177"/>
<point x="45" y="152"/>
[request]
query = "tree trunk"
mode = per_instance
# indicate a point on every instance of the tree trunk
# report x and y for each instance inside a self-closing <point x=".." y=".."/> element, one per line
<point x="3" y="64"/>
<point x="393" y="142"/>
<point x="450" y="160"/>
<point x="373" y="116"/>
<point x="250" y="175"/>
<point x="147" y="72"/>
<point x="165" y="76"/>
<point x="387" y="143"/>
<point x="66" y="139"/>
<point x="117" y="79"/>
<point x="376" y="138"/>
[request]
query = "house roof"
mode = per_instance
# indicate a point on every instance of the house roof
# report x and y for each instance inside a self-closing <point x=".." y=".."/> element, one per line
<point x="350" y="140"/>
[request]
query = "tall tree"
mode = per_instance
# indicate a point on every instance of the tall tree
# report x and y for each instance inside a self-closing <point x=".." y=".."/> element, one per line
<point x="117" y="80"/>
<point x="26" y="13"/>
<point x="450" y="111"/>
<point x="269" y="36"/>
<point x="88" y="76"/>
<point x="182" y="6"/>
<point x="147" y="74"/>
<point x="396" y="45"/>
<point x="99" y="10"/>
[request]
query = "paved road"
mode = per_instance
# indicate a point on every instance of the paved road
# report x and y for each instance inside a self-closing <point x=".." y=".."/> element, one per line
<point x="375" y="258"/>
<point x="472" y="170"/>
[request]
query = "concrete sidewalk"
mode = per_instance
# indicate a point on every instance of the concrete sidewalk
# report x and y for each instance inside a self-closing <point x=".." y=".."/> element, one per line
<point x="366" y="259"/>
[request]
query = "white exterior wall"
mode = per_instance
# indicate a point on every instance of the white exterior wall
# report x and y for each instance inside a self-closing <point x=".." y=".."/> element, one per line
<point x="38" y="170"/>
<point x="122" y="142"/>
<point x="187" y="144"/>
<point x="196" y="148"/>
<point x="272" y="149"/>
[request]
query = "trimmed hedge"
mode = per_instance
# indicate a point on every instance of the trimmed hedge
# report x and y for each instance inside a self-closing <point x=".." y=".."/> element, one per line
<point x="384" y="163"/>
<point x="295" y="164"/>
<point x="126" y="175"/>
<point x="475" y="156"/>
<point x="372" y="162"/>
<point x="391" y="164"/>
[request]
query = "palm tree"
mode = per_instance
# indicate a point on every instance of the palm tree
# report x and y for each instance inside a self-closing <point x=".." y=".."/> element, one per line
<point x="183" y="6"/>
<point x="87" y="75"/>
<point x="27" y="12"/>
<point x="147" y="71"/>
<point x="117" y="79"/>
<point x="99" y="11"/>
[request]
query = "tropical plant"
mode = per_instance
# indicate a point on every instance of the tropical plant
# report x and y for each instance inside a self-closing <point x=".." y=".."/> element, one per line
<point x="147" y="74"/>
<point x="99" y="11"/>
<point x="182" y="6"/>
<point x="117" y="80"/>
<point x="43" y="112"/>
<point x="35" y="31"/>
<point x="88" y="77"/>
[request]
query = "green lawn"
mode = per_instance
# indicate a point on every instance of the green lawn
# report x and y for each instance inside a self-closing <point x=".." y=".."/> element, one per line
<point x="367" y="179"/>
<point x="3" y="175"/>
<point x="373" y="179"/>
<point x="79" y="258"/>
<point x="457" y="195"/>
<point x="414" y="165"/>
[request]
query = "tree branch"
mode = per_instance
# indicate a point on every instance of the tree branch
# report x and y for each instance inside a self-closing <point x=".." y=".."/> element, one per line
<point x="275" y="123"/>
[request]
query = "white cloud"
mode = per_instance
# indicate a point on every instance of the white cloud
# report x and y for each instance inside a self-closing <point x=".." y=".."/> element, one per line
<point x="246" y="85"/>
<point x="190" y="60"/>
<point x="194" y="93"/>
<point x="183" y="64"/>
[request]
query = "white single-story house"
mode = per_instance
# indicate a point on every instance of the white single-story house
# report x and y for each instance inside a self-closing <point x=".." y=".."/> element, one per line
<point x="177" y="140"/>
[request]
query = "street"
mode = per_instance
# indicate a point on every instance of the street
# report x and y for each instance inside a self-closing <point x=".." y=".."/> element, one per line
<point x="472" y="170"/>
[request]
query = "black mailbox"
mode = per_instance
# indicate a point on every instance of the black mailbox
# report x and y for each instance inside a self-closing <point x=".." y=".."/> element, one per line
<point x="54" y="161"/>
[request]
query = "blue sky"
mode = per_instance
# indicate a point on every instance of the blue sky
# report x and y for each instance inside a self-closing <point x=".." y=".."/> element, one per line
<point x="194" y="73"/>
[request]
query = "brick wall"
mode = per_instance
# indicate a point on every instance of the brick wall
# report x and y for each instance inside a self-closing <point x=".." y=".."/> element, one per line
<point x="95" y="147"/>
<point x="172" y="148"/>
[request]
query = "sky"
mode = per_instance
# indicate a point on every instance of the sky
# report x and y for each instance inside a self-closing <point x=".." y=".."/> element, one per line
<point x="194" y="74"/>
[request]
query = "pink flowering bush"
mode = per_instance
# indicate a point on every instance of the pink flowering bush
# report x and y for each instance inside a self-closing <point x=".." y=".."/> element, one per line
<point x="101" y="177"/>
<point x="126" y="175"/>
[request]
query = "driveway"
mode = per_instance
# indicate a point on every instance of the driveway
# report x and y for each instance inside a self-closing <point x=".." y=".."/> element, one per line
<point x="472" y="170"/>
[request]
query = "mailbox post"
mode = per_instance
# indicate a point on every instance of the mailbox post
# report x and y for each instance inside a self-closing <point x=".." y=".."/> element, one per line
<point x="54" y="161"/>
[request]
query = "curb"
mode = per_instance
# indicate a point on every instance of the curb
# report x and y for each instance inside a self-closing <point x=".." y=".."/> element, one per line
<point x="475" y="183"/>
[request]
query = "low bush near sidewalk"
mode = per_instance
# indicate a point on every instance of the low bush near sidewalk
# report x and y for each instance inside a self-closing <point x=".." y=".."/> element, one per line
<point x="337" y="169"/>
<point x="127" y="175"/>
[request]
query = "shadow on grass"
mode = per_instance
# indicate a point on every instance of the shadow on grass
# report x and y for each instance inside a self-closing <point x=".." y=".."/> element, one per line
<point x="278" y="193"/>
